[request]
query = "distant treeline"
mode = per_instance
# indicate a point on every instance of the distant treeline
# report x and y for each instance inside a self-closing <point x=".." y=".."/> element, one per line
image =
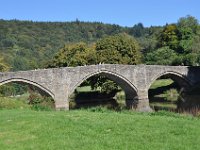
<point x="28" y="45"/>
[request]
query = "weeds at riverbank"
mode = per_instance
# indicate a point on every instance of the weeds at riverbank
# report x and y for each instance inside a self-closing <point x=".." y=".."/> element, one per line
<point x="27" y="101"/>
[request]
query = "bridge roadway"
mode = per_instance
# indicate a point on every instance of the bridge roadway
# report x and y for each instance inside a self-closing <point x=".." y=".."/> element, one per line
<point x="135" y="80"/>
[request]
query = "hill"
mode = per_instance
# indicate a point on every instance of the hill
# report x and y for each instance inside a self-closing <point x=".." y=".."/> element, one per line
<point x="28" y="45"/>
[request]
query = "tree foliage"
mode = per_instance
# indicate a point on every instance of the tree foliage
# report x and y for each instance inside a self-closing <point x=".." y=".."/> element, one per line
<point x="29" y="45"/>
<point x="3" y="65"/>
<point x="118" y="49"/>
<point x="182" y="38"/>
<point x="72" y="55"/>
<point x="162" y="56"/>
<point x="169" y="37"/>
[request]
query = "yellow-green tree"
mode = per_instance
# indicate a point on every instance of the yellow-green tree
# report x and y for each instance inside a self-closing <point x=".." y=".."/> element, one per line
<point x="3" y="65"/>
<point x="170" y="37"/>
<point x="72" y="55"/>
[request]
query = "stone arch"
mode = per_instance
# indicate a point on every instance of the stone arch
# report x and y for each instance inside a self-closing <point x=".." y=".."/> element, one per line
<point x="28" y="82"/>
<point x="182" y="80"/>
<point x="129" y="88"/>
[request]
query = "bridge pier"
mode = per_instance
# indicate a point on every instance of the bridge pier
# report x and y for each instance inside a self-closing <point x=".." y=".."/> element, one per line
<point x="143" y="101"/>
<point x="139" y="102"/>
<point x="62" y="105"/>
<point x="61" y="97"/>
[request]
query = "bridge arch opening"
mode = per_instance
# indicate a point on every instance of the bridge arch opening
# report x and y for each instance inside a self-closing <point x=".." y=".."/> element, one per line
<point x="166" y="91"/>
<point x="105" y="89"/>
<point x="27" y="92"/>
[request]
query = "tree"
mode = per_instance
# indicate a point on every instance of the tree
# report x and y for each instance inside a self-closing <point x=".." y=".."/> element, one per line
<point x="170" y="37"/>
<point x="161" y="56"/>
<point x="72" y="55"/>
<point x="193" y="57"/>
<point x="183" y="38"/>
<point x="188" y="27"/>
<point x="137" y="30"/>
<point x="3" y="65"/>
<point x="118" y="49"/>
<point x="188" y="22"/>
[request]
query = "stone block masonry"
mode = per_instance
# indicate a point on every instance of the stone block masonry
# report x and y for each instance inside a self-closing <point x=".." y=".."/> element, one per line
<point x="135" y="80"/>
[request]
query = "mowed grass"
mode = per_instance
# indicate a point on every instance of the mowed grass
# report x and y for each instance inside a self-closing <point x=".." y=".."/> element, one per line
<point x="85" y="130"/>
<point x="161" y="82"/>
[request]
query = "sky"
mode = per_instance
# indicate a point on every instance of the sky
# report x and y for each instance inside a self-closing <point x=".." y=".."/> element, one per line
<point x="121" y="12"/>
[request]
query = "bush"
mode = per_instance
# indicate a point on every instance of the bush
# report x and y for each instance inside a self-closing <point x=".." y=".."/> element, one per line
<point x="39" y="102"/>
<point x="12" y="103"/>
<point x="12" y="89"/>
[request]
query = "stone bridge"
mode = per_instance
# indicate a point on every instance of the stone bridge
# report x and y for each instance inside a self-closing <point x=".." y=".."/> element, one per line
<point x="135" y="80"/>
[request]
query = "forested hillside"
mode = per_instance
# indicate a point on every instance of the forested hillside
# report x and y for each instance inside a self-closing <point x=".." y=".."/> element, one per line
<point x="28" y="45"/>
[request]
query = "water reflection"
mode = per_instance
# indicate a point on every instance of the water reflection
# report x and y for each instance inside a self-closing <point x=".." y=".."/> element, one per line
<point x="188" y="103"/>
<point x="185" y="103"/>
<point x="94" y="99"/>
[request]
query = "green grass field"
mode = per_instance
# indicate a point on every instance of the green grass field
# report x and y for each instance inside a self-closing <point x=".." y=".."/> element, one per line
<point x="99" y="130"/>
<point x="161" y="82"/>
<point x="21" y="127"/>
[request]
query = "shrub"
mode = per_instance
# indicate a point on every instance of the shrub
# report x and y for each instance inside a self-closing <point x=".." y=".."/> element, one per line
<point x="39" y="102"/>
<point x="12" y="103"/>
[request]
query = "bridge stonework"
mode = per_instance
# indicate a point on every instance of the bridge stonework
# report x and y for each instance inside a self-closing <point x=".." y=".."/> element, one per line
<point x="135" y="80"/>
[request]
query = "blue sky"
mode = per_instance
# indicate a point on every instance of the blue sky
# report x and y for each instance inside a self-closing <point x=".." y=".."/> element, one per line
<point x="121" y="12"/>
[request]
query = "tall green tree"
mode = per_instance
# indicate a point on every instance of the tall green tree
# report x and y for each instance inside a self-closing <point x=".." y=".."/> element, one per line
<point x="188" y="27"/>
<point x="118" y="49"/>
<point x="188" y="22"/>
<point x="162" y="56"/>
<point x="137" y="30"/>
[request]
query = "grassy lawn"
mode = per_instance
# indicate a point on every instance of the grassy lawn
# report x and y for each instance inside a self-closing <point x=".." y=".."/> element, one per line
<point x="86" y="89"/>
<point x="160" y="83"/>
<point x="83" y="129"/>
